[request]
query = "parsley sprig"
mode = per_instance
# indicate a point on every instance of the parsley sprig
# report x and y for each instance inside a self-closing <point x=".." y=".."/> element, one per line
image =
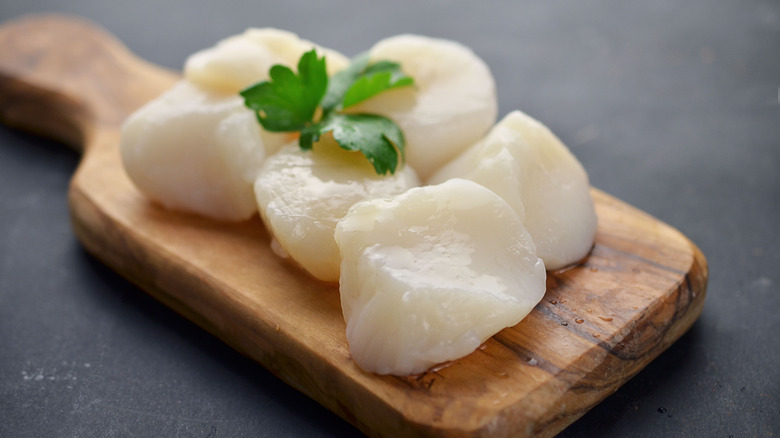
<point x="311" y="103"/>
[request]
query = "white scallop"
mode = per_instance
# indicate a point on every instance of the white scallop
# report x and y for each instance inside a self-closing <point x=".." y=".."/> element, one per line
<point x="242" y="60"/>
<point x="452" y="105"/>
<point x="303" y="194"/>
<point x="197" y="151"/>
<point x="527" y="165"/>
<point x="429" y="275"/>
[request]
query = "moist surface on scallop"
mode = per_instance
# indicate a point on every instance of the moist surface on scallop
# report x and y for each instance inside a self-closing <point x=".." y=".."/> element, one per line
<point x="429" y="275"/>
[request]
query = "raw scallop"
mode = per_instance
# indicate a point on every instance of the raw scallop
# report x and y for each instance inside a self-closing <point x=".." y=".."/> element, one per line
<point x="303" y="194"/>
<point x="197" y="151"/>
<point x="429" y="275"/>
<point x="528" y="166"/>
<point x="242" y="60"/>
<point x="452" y="105"/>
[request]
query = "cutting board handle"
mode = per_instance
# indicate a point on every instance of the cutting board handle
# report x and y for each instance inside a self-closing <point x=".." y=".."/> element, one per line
<point x="64" y="77"/>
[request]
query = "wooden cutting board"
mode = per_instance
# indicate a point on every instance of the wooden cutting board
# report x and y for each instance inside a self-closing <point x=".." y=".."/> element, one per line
<point x="599" y="323"/>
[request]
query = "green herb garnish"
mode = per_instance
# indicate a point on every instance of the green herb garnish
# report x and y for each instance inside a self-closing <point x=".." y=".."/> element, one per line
<point x="289" y="102"/>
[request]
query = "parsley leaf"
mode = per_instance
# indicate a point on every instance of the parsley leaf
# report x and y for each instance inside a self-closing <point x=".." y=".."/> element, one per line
<point x="378" y="77"/>
<point x="377" y="137"/>
<point x="341" y="81"/>
<point x="361" y="81"/>
<point x="288" y="101"/>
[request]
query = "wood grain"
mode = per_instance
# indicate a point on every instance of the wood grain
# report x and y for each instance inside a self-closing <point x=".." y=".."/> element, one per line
<point x="600" y="323"/>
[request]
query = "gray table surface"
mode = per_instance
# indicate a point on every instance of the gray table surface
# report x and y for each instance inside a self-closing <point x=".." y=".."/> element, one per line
<point x="671" y="106"/>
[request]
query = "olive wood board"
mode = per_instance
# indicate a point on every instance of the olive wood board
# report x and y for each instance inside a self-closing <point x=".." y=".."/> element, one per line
<point x="600" y="322"/>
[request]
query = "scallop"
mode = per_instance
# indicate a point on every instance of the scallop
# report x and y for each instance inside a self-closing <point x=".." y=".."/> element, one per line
<point x="242" y="60"/>
<point x="303" y="194"/>
<point x="429" y="275"/>
<point x="197" y="151"/>
<point x="527" y="165"/>
<point x="452" y="105"/>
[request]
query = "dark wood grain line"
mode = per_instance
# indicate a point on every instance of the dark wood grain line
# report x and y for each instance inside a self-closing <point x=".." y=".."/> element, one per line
<point x="525" y="355"/>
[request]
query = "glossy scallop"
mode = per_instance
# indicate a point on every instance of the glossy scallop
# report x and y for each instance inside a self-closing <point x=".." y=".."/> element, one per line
<point x="452" y="105"/>
<point x="528" y="166"/>
<point x="196" y="151"/>
<point x="429" y="275"/>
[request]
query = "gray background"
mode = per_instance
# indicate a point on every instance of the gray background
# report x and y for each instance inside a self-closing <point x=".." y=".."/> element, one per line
<point x="671" y="106"/>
